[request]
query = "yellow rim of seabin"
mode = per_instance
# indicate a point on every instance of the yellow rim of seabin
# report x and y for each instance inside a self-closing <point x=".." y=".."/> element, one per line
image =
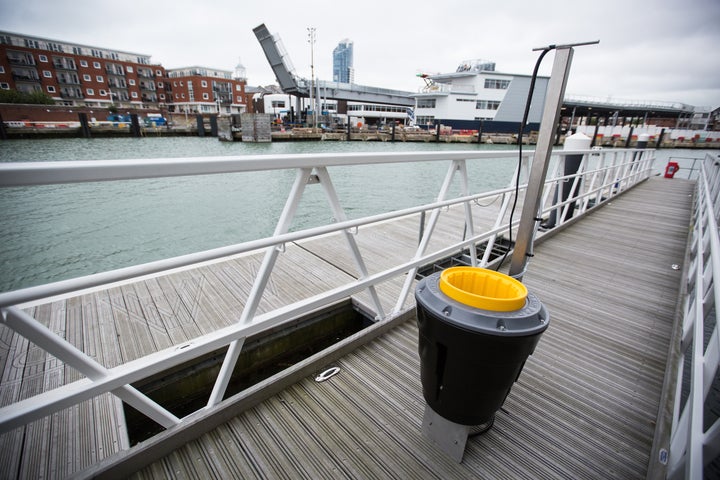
<point x="482" y="288"/>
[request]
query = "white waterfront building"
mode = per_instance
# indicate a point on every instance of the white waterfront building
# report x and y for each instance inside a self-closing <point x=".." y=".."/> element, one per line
<point x="357" y="113"/>
<point x="476" y="93"/>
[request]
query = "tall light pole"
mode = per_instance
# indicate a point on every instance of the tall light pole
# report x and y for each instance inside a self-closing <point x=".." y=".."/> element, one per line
<point x="311" y="41"/>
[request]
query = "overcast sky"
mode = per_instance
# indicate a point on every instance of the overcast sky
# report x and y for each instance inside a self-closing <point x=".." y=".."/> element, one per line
<point x="662" y="50"/>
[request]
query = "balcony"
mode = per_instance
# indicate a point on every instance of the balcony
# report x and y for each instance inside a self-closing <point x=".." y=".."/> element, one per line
<point x="25" y="76"/>
<point x="68" y="79"/>
<point x="71" y="93"/>
<point x="19" y="58"/>
<point x="119" y="96"/>
<point x="150" y="86"/>
<point x="112" y="69"/>
<point x="222" y="88"/>
<point x="117" y="83"/>
<point x="64" y="63"/>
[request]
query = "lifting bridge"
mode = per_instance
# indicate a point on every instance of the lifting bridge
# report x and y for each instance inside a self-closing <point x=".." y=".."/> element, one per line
<point x="301" y="87"/>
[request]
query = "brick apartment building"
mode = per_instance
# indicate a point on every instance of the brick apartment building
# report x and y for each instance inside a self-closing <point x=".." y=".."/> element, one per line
<point x="205" y="90"/>
<point x="95" y="77"/>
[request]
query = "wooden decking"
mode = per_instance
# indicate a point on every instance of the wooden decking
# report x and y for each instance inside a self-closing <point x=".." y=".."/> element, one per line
<point x="585" y="405"/>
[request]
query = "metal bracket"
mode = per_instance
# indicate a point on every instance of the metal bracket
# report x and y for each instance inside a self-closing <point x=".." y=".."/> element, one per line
<point x="450" y="437"/>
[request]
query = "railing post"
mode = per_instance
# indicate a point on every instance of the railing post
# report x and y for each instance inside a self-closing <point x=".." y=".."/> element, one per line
<point x="501" y="214"/>
<point x="301" y="179"/>
<point x="340" y="216"/>
<point x="427" y="233"/>
<point x="469" y="224"/>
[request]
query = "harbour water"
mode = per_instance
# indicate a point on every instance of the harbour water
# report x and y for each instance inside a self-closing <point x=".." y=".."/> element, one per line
<point x="56" y="232"/>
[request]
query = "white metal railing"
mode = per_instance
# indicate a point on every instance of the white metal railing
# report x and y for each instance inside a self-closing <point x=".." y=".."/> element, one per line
<point x="692" y="446"/>
<point x="602" y="175"/>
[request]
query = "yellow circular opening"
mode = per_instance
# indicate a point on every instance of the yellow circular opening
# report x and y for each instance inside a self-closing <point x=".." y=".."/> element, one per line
<point x="482" y="288"/>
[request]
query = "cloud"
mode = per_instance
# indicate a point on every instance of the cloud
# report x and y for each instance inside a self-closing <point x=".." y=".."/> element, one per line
<point x="663" y="49"/>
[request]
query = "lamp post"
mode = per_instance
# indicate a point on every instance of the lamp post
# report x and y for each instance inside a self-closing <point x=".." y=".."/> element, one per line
<point x="311" y="41"/>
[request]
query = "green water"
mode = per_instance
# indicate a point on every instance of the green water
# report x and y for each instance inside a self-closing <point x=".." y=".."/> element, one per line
<point x="56" y="232"/>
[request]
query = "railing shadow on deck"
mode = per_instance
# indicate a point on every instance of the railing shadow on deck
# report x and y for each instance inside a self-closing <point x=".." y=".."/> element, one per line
<point x="602" y="175"/>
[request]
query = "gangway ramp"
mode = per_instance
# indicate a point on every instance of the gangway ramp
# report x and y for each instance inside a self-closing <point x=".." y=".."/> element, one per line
<point x="585" y="406"/>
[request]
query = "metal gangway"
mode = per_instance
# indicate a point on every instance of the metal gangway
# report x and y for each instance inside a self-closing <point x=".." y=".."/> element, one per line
<point x="602" y="176"/>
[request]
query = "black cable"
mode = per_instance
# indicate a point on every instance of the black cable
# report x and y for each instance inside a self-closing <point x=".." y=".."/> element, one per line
<point x="520" y="135"/>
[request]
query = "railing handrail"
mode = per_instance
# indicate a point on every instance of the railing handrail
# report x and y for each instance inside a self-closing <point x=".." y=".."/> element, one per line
<point x="43" y="173"/>
<point x="692" y="446"/>
<point x="619" y="169"/>
<point x="13" y="174"/>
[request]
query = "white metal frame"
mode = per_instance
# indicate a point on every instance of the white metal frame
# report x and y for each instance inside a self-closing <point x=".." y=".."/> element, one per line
<point x="691" y="445"/>
<point x="309" y="169"/>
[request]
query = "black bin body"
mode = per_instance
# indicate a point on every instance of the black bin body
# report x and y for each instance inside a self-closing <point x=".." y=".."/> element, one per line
<point x="470" y="358"/>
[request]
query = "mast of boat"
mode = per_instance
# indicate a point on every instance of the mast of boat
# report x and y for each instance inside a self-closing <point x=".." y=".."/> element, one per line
<point x="543" y="150"/>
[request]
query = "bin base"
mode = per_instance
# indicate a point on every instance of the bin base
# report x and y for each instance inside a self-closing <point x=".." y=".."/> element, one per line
<point x="450" y="437"/>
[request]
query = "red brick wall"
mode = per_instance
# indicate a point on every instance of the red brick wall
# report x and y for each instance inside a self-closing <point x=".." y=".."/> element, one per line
<point x="56" y="113"/>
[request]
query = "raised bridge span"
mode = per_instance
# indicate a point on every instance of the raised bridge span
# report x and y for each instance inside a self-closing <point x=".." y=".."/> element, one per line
<point x="301" y="87"/>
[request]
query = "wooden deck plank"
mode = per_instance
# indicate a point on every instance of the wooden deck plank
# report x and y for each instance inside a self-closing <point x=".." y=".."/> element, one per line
<point x="178" y="320"/>
<point x="143" y="309"/>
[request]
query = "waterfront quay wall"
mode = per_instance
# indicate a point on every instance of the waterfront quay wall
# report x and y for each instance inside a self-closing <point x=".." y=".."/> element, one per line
<point x="295" y="135"/>
<point x="123" y="130"/>
<point x="56" y="121"/>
